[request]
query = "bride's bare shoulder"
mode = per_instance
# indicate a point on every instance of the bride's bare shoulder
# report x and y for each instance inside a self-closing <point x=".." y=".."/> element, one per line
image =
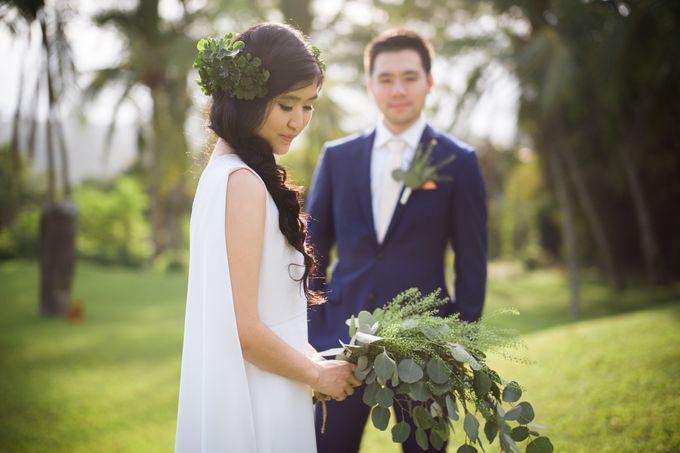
<point x="246" y="187"/>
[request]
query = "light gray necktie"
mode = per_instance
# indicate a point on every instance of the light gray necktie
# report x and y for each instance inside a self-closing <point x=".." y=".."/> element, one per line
<point x="389" y="188"/>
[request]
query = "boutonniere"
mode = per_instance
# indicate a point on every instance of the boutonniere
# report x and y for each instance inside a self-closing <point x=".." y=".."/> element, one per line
<point x="422" y="175"/>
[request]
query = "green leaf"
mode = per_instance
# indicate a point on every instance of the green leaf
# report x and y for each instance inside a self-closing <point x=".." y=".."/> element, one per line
<point x="471" y="426"/>
<point x="451" y="408"/>
<point x="437" y="371"/>
<point x="512" y="392"/>
<point x="540" y="445"/>
<point x="436" y="410"/>
<point x="384" y="397"/>
<point x="409" y="371"/>
<point x="465" y="448"/>
<point x="422" y="418"/>
<point x="490" y="430"/>
<point x="384" y="367"/>
<point x="513" y="413"/>
<point x="370" y="393"/>
<point x="482" y="383"/>
<point x="380" y="417"/>
<point x="442" y="427"/>
<point x="421" y="439"/>
<point x="440" y="390"/>
<point x="436" y="440"/>
<point x="352" y="326"/>
<point x="371" y="377"/>
<point x="519" y="433"/>
<point x="400" y="432"/>
<point x="419" y="391"/>
<point x="395" y="378"/>
<point x="527" y="414"/>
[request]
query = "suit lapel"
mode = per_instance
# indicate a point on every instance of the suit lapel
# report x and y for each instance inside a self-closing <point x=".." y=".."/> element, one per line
<point x="363" y="175"/>
<point x="428" y="135"/>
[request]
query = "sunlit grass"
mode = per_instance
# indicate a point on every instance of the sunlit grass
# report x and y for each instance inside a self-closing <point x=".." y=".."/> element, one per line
<point x="110" y="383"/>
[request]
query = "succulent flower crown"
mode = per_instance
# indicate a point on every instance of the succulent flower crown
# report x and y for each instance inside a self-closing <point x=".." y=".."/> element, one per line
<point x="223" y="65"/>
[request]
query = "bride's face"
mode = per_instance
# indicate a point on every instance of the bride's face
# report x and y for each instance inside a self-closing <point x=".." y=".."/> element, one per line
<point x="287" y="116"/>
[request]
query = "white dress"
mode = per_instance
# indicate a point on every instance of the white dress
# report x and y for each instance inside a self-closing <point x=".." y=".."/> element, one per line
<point x="225" y="403"/>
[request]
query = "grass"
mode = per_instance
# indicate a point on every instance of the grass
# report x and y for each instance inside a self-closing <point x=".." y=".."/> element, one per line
<point x="604" y="384"/>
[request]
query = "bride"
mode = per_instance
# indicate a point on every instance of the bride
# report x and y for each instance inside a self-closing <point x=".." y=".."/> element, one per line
<point x="247" y="368"/>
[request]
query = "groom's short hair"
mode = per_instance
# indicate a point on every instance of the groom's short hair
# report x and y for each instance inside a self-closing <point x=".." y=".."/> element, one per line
<point x="394" y="41"/>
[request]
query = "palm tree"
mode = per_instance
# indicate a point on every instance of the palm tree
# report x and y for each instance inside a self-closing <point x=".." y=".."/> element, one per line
<point x="158" y="57"/>
<point x="58" y="221"/>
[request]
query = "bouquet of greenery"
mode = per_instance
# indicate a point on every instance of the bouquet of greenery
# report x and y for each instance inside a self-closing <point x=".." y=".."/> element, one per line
<point x="433" y="369"/>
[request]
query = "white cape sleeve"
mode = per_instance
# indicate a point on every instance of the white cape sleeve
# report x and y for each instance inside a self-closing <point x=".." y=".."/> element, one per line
<point x="215" y="412"/>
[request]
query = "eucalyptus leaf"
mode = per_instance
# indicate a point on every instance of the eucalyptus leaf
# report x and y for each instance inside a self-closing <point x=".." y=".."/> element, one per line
<point x="471" y="426"/>
<point x="384" y="367"/>
<point x="380" y="417"/>
<point x="519" y="433"/>
<point x="436" y="410"/>
<point x="409" y="371"/>
<point x="400" y="432"/>
<point x="527" y="414"/>
<point x="384" y="397"/>
<point x="451" y="408"/>
<point x="421" y="439"/>
<point x="512" y="392"/>
<point x="371" y="377"/>
<point x="352" y="326"/>
<point x="465" y="448"/>
<point x="370" y="393"/>
<point x="442" y="427"/>
<point x="436" y="440"/>
<point x="437" y="371"/>
<point x="482" y="383"/>
<point x="540" y="445"/>
<point x="395" y="378"/>
<point x="366" y="338"/>
<point x="422" y="418"/>
<point x="490" y="430"/>
<point x="513" y="413"/>
<point x="419" y="391"/>
<point x="440" y="390"/>
<point x="366" y="318"/>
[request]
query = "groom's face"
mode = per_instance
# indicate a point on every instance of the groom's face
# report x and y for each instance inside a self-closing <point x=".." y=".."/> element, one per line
<point x="399" y="86"/>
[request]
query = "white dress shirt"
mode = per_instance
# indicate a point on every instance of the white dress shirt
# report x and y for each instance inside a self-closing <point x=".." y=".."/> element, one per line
<point x="380" y="158"/>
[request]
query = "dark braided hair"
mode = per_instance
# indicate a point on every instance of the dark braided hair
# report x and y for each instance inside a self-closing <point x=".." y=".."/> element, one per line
<point x="292" y="65"/>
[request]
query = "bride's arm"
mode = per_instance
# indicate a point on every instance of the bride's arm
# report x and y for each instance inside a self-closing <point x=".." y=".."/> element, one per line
<point x="244" y="229"/>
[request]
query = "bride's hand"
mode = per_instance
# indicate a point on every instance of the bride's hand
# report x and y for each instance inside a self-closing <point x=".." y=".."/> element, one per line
<point x="335" y="378"/>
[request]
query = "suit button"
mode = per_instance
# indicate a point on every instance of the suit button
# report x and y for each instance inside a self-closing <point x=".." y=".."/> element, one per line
<point x="380" y="255"/>
<point x="371" y="295"/>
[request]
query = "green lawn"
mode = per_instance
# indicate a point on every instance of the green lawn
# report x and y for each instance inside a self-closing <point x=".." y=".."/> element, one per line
<point x="606" y="384"/>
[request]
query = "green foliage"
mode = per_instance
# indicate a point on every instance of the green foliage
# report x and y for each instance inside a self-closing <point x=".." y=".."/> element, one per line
<point x="112" y="226"/>
<point x="223" y="66"/>
<point x="21" y="238"/>
<point x="440" y="361"/>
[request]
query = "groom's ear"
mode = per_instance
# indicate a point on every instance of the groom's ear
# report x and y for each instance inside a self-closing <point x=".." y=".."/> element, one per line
<point x="369" y="86"/>
<point x="430" y="82"/>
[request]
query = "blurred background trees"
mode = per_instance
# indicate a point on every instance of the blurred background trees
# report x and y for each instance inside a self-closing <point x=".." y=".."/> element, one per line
<point x="590" y="181"/>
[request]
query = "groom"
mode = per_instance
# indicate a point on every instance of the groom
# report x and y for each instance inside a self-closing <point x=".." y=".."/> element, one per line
<point x="386" y="241"/>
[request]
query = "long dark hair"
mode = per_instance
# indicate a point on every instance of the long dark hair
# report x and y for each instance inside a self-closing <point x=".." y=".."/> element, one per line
<point x="292" y="65"/>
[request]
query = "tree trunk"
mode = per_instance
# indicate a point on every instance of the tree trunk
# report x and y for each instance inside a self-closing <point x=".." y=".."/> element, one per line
<point x="592" y="216"/>
<point x="58" y="225"/>
<point x="568" y="231"/>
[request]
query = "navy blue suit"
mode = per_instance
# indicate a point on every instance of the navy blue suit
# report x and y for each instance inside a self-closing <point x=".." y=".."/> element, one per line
<point x="369" y="274"/>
